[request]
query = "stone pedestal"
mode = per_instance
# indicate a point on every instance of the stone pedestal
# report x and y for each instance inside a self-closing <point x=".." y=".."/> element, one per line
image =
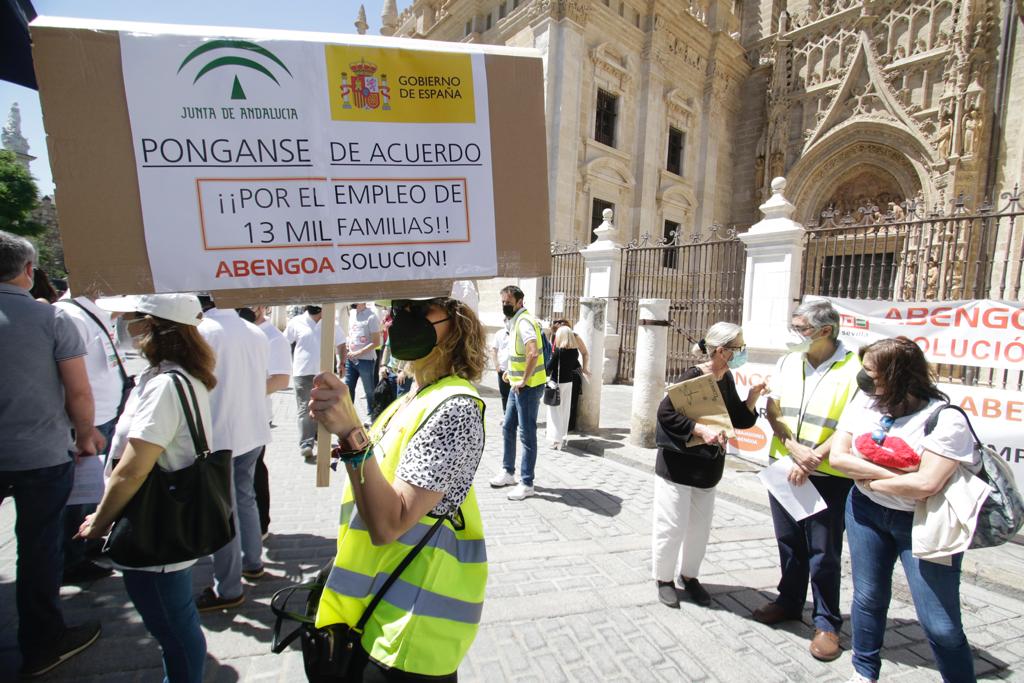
<point x="649" y="377"/>
<point x="771" y="284"/>
<point x="603" y="260"/>
<point x="591" y="328"/>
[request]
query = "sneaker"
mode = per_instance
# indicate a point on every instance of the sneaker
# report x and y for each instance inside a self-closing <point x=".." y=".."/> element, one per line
<point x="521" y="491"/>
<point x="209" y="601"/>
<point x="85" y="572"/>
<point x="253" y="574"/>
<point x="858" y="678"/>
<point x="74" y="640"/>
<point x="503" y="478"/>
<point x="667" y="594"/>
<point x="696" y="591"/>
<point x="307" y="453"/>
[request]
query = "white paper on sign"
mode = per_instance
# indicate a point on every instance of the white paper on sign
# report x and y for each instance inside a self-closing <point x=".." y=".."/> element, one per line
<point x="799" y="501"/>
<point x="88" y="486"/>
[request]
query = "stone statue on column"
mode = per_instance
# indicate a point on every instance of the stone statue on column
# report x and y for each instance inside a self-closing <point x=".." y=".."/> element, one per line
<point x="361" y="24"/>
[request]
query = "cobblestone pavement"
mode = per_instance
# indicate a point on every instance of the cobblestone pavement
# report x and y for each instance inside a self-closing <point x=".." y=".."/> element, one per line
<point x="569" y="597"/>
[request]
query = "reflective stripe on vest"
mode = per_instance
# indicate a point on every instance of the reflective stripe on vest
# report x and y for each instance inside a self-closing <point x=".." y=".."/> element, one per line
<point x="824" y="403"/>
<point x="517" y="356"/>
<point x="428" y="619"/>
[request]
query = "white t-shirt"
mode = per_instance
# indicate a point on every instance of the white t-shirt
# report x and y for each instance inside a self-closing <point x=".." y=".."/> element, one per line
<point x="501" y="347"/>
<point x="153" y="414"/>
<point x="100" y="360"/>
<point x="951" y="438"/>
<point x="304" y="332"/>
<point x="280" y="360"/>
<point x="240" y="419"/>
<point x="361" y="327"/>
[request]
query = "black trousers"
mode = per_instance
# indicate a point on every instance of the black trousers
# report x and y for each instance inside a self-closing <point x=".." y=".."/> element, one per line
<point x="577" y="389"/>
<point x="504" y="388"/>
<point x="261" y="484"/>
<point x="811" y="551"/>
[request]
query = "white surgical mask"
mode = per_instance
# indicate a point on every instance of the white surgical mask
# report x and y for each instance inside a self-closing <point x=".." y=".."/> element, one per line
<point x="798" y="343"/>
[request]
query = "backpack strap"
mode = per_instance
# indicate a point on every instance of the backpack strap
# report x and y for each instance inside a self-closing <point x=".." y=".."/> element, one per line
<point x="933" y="420"/>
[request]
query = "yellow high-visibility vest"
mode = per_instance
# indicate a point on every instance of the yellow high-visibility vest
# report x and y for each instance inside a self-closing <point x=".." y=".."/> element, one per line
<point x="429" y="617"/>
<point x="812" y="409"/>
<point x="517" y="359"/>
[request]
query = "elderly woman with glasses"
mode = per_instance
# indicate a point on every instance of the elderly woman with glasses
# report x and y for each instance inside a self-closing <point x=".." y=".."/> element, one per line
<point x="684" y="490"/>
<point x="886" y="424"/>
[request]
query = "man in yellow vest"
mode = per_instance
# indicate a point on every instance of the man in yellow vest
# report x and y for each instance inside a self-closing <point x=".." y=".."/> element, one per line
<point x="527" y="376"/>
<point x="810" y="387"/>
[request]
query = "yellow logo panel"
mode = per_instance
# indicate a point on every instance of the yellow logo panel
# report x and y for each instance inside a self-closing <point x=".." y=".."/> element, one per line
<point x="400" y="86"/>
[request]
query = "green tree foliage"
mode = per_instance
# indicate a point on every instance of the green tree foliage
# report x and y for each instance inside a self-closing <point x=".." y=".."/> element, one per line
<point x="18" y="197"/>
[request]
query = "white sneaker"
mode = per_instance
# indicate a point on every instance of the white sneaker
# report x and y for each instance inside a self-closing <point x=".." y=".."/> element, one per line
<point x="521" y="491"/>
<point x="502" y="478"/>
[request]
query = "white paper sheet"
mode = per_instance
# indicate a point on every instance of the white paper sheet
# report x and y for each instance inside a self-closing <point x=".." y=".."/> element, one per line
<point x="799" y="501"/>
<point x="88" y="486"/>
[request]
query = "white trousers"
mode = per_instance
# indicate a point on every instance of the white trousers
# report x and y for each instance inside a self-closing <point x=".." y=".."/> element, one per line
<point x="682" y="517"/>
<point x="558" y="416"/>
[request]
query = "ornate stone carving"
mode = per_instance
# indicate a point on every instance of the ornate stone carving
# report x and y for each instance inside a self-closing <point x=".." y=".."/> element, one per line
<point x="574" y="10"/>
<point x="11" y="136"/>
<point x="609" y="61"/>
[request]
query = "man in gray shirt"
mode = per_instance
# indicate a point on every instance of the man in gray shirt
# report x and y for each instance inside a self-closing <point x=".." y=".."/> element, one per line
<point x="45" y="394"/>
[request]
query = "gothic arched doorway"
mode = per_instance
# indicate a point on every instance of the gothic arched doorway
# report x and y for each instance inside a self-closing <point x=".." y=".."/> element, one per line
<point x="863" y="187"/>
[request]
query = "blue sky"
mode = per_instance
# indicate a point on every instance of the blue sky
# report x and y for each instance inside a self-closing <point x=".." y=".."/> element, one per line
<point x="335" y="16"/>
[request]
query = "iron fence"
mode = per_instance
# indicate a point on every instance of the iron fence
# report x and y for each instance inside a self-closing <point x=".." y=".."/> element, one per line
<point x="702" y="276"/>
<point x="910" y="253"/>
<point x="562" y="289"/>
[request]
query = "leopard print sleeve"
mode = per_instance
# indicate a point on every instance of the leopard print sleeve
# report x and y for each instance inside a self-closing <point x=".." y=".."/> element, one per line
<point x="444" y="454"/>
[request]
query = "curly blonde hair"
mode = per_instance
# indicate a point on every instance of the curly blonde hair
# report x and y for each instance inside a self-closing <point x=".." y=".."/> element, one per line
<point x="463" y="351"/>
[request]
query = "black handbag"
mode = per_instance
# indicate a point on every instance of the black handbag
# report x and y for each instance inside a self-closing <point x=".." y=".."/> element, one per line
<point x="552" y="393"/>
<point x="127" y="381"/>
<point x="327" y="652"/>
<point x="180" y="515"/>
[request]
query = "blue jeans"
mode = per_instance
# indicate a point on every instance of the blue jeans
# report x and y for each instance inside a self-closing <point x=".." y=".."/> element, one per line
<point x="245" y="550"/>
<point x="39" y="497"/>
<point x="878" y="535"/>
<point x="812" y="550"/>
<point x="361" y="369"/>
<point x="74" y="515"/>
<point x="521" y="413"/>
<point x="164" y="600"/>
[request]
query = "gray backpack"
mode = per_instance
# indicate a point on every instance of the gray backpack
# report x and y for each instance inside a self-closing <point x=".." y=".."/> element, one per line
<point x="1002" y="513"/>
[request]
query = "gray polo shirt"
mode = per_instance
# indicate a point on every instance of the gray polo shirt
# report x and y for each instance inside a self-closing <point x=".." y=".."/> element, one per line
<point x="35" y="431"/>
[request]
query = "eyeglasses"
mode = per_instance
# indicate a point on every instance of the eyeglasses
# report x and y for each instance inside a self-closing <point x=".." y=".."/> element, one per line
<point x="418" y="307"/>
<point x="884" y="425"/>
<point x="800" y="329"/>
<point x="737" y="349"/>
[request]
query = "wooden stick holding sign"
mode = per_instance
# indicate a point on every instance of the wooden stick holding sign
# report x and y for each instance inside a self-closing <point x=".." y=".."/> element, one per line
<point x="323" y="437"/>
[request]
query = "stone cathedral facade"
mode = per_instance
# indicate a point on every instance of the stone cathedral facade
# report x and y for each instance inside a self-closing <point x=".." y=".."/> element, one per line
<point x="678" y="113"/>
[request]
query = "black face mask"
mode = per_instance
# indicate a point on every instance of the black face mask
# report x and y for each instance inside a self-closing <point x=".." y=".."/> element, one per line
<point x="866" y="384"/>
<point x="411" y="335"/>
<point x="508" y="309"/>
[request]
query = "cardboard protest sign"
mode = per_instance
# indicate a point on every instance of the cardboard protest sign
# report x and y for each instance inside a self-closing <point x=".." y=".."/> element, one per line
<point x="272" y="166"/>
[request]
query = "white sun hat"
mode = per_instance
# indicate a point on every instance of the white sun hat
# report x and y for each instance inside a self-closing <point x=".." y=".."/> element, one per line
<point x="179" y="308"/>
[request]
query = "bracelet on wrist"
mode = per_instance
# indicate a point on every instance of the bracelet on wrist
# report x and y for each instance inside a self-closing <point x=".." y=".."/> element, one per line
<point x="351" y="458"/>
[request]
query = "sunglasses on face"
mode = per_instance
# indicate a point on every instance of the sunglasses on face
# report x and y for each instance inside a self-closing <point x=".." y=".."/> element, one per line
<point x="884" y="425"/>
<point x="420" y="308"/>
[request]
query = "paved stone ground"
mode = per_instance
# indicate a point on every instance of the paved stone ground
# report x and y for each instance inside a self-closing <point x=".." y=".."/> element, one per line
<point x="569" y="595"/>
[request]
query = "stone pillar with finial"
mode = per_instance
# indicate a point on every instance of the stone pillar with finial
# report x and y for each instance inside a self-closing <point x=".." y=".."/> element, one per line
<point x="603" y="264"/>
<point x="771" y="283"/>
<point x="12" y="138"/>
<point x="389" y="18"/>
<point x="361" y="24"/>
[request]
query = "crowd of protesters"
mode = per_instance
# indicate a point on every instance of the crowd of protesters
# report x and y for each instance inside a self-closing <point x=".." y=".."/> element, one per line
<point x="67" y="398"/>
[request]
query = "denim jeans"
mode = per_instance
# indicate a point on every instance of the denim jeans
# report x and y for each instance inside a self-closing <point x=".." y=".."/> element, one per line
<point x="39" y="497"/>
<point x="74" y="515"/>
<point x="878" y="535"/>
<point x="164" y="600"/>
<point x="812" y="550"/>
<point x="521" y="413"/>
<point x="245" y="550"/>
<point x="307" y="426"/>
<point x="361" y="369"/>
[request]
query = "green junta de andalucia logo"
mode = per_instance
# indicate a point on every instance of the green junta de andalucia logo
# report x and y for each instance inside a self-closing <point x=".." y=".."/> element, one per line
<point x="216" y="49"/>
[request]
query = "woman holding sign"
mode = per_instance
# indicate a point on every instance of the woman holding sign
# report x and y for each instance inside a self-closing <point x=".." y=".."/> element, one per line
<point x="684" y="490"/>
<point x="409" y="499"/>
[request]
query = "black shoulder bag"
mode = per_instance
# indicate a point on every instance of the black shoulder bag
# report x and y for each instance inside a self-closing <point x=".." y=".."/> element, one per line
<point x="327" y="652"/>
<point x="127" y="381"/>
<point x="180" y="515"/>
<point x="552" y="393"/>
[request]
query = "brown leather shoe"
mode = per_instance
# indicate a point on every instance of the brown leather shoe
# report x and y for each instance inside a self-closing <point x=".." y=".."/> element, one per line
<point x="773" y="613"/>
<point x="825" y="645"/>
